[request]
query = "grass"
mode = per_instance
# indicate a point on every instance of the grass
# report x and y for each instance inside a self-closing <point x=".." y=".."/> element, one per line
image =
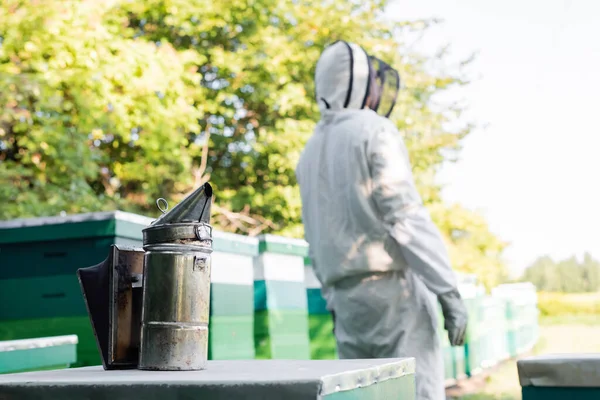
<point x="567" y="334"/>
<point x="569" y="303"/>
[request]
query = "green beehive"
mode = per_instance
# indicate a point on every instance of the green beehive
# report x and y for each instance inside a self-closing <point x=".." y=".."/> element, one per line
<point x="454" y="357"/>
<point x="475" y="345"/>
<point x="280" y="303"/>
<point x="449" y="367"/>
<point x="37" y="354"/>
<point x="521" y="315"/>
<point x="560" y="376"/>
<point x="322" y="340"/>
<point x="522" y="334"/>
<point x="39" y="291"/>
<point x="459" y="362"/>
<point x="488" y="342"/>
<point x="494" y="313"/>
<point x="39" y="258"/>
<point x="528" y="333"/>
<point x="231" y="333"/>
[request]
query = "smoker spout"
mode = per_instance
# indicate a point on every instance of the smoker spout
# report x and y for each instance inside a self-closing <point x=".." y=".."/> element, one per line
<point x="194" y="208"/>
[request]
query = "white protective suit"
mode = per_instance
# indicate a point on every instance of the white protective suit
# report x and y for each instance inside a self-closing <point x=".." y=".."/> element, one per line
<point x="375" y="250"/>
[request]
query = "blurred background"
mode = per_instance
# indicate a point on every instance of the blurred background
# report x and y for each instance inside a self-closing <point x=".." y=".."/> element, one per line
<point x="109" y="105"/>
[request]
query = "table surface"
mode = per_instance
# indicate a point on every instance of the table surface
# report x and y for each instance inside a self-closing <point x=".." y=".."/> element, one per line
<point x="287" y="377"/>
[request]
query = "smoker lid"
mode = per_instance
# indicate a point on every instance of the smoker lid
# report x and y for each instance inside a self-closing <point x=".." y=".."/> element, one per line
<point x="194" y="208"/>
<point x="187" y="221"/>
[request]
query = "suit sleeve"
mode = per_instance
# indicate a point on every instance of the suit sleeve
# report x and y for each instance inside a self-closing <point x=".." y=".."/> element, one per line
<point x="412" y="234"/>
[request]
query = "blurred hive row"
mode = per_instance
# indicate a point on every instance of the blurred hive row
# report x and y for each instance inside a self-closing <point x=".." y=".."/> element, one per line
<point x="265" y="300"/>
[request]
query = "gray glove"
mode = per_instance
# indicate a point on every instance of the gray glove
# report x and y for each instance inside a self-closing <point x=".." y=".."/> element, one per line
<point x="455" y="317"/>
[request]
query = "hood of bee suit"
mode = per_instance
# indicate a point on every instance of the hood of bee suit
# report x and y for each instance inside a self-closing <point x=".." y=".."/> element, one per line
<point x="342" y="77"/>
<point x="347" y="77"/>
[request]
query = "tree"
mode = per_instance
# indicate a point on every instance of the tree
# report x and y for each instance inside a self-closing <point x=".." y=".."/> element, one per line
<point x="261" y="60"/>
<point x="567" y="275"/>
<point x="542" y="274"/>
<point x="90" y="119"/>
<point x="112" y="104"/>
<point x="472" y="247"/>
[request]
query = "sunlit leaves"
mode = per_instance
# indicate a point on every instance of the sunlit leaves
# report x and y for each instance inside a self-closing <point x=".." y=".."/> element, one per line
<point x="113" y="113"/>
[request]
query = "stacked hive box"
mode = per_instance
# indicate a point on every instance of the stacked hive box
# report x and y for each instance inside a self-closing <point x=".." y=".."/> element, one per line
<point x="449" y="365"/>
<point x="231" y="334"/>
<point x="494" y="320"/>
<point x="529" y="329"/>
<point x="281" y="310"/>
<point x="263" y="295"/>
<point x="558" y="377"/>
<point x="470" y="290"/>
<point x="455" y="360"/>
<point x="459" y="362"/>
<point x="39" y="291"/>
<point x="37" y="354"/>
<point x="39" y="258"/>
<point x="521" y="315"/>
<point x="322" y="341"/>
<point x="454" y="357"/>
<point x="475" y="340"/>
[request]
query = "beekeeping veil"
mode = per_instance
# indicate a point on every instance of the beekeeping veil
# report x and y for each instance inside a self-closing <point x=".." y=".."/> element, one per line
<point x="348" y="77"/>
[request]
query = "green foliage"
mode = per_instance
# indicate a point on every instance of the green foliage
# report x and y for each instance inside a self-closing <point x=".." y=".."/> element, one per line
<point x="568" y="275"/>
<point x="110" y="104"/>
<point x="472" y="247"/>
<point x="89" y="117"/>
<point x="570" y="319"/>
<point x="568" y="304"/>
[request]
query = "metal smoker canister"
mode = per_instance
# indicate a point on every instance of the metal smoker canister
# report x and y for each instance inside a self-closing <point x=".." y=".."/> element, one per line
<point x="176" y="295"/>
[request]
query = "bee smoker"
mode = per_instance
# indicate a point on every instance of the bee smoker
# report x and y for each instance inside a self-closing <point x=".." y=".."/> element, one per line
<point x="150" y="307"/>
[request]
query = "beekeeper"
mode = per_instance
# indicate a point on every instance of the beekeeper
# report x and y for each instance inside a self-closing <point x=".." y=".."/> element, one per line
<point x="378" y="255"/>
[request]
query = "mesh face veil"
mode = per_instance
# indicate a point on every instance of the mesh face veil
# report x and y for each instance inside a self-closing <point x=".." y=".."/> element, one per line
<point x="384" y="86"/>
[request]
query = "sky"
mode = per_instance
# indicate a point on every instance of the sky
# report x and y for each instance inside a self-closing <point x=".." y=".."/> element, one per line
<point x="534" y="170"/>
